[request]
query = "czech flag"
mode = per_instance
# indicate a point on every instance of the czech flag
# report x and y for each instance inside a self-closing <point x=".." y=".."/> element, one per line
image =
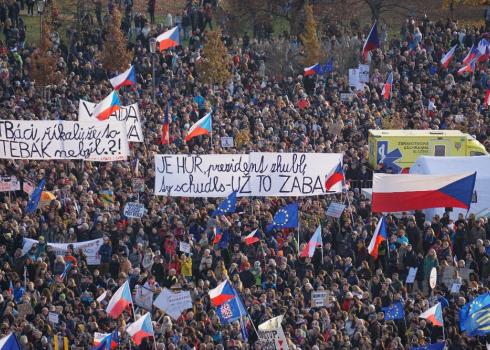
<point x="387" y="87"/>
<point x="334" y="178"/>
<point x="446" y="59"/>
<point x="469" y="68"/>
<point x="315" y="241"/>
<point x="380" y="234"/>
<point x="403" y="192"/>
<point x="202" y="127"/>
<point x="372" y="42"/>
<point x="218" y="234"/>
<point x="107" y="106"/>
<point x="252" y="237"/>
<point x="483" y="50"/>
<point x="120" y="301"/>
<point x="434" y="315"/>
<point x="11" y="288"/>
<point x="222" y="293"/>
<point x="166" y="128"/>
<point x="124" y="79"/>
<point x="318" y="68"/>
<point x="9" y="342"/>
<point x="486" y="100"/>
<point x="169" y="39"/>
<point x="140" y="329"/>
<point x="471" y="54"/>
<point x="102" y="340"/>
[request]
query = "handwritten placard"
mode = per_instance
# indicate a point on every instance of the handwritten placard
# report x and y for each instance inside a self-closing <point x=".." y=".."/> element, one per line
<point x="335" y="210"/>
<point x="412" y="273"/>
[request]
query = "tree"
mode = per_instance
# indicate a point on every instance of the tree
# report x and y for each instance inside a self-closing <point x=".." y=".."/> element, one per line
<point x="214" y="66"/>
<point x="451" y="4"/>
<point x="44" y="62"/>
<point x="115" y="56"/>
<point x="309" y="39"/>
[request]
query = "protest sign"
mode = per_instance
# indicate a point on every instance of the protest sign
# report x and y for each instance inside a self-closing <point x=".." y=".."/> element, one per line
<point x="55" y="139"/>
<point x="319" y="298"/>
<point x="455" y="288"/>
<point x="173" y="304"/>
<point x="28" y="186"/>
<point x="354" y="79"/>
<point x="25" y="309"/>
<point x="184" y="247"/>
<point x="335" y="210"/>
<point x="89" y="248"/>
<point x="412" y="273"/>
<point x="53" y="317"/>
<point x="346" y="96"/>
<point x="128" y="114"/>
<point x="256" y="174"/>
<point x="227" y="142"/>
<point x="271" y="335"/>
<point x="138" y="184"/>
<point x="143" y="297"/>
<point x="9" y="183"/>
<point x="134" y="210"/>
<point x="363" y="70"/>
<point x="433" y="278"/>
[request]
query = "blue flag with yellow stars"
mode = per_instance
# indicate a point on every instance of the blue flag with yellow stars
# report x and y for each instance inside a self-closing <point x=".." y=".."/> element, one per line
<point x="228" y="206"/>
<point x="35" y="197"/>
<point x="394" y="312"/>
<point x="285" y="217"/>
<point x="435" y="346"/>
<point x="474" y="317"/>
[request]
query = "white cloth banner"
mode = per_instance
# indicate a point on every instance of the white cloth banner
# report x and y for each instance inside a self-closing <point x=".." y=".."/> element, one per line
<point x="9" y="183"/>
<point x="128" y="114"/>
<point x="143" y="297"/>
<point x="89" y="248"/>
<point x="256" y="174"/>
<point x="271" y="335"/>
<point x="55" y="139"/>
<point x="173" y="304"/>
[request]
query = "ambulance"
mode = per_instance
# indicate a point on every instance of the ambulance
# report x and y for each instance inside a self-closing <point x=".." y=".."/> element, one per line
<point x="396" y="150"/>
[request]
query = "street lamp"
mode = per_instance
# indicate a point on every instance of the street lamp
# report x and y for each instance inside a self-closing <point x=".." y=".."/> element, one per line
<point x="153" y="49"/>
<point x="40" y="11"/>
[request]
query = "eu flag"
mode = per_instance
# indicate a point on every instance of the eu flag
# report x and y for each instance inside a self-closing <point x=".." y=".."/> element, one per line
<point x="474" y="317"/>
<point x="285" y="217"/>
<point x="435" y="346"/>
<point x="35" y="197"/>
<point x="394" y="312"/>
<point x="231" y="311"/>
<point x="326" y="68"/>
<point x="227" y="206"/>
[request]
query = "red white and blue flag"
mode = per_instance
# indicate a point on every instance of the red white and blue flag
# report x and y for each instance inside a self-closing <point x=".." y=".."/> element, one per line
<point x="380" y="234"/>
<point x="107" y="106"/>
<point x="169" y="39"/>
<point x="252" y="237"/>
<point x="469" y="68"/>
<point x="403" y="192"/>
<point x="471" y="55"/>
<point x="202" y="127"/>
<point x="335" y="178"/>
<point x="372" y="41"/>
<point x="315" y="241"/>
<point x="387" y="87"/>
<point x="483" y="50"/>
<point x="222" y="293"/>
<point x="434" y="315"/>
<point x="126" y="78"/>
<point x="446" y="59"/>
<point x="486" y="100"/>
<point x="166" y="128"/>
<point x="140" y="329"/>
<point x="120" y="301"/>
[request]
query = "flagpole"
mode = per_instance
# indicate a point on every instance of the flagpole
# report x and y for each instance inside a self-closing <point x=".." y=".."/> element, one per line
<point x="299" y="217"/>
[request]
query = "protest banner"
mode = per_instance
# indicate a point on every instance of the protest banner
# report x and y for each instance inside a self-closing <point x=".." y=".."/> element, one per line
<point x="271" y="335"/>
<point x="56" y="139"/>
<point x="134" y="210"/>
<point x="173" y="304"/>
<point x="89" y="248"/>
<point x="354" y="81"/>
<point x="184" y="247"/>
<point x="9" y="183"/>
<point x="128" y="114"/>
<point x="335" y="209"/>
<point x="319" y="298"/>
<point x="143" y="297"/>
<point x="256" y="174"/>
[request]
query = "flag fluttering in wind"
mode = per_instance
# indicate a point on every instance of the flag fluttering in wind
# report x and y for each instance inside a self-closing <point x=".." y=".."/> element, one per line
<point x="447" y="58"/>
<point x="386" y="92"/>
<point x="202" y="127"/>
<point x="434" y="315"/>
<point x="372" y="41"/>
<point x="380" y="234"/>
<point x="110" y="104"/>
<point x="169" y="39"/>
<point x="227" y="206"/>
<point x="474" y="316"/>
<point x="286" y="217"/>
<point x="35" y="197"/>
<point x="120" y="301"/>
<point x="9" y="342"/>
<point x="252" y="237"/>
<point x="336" y="177"/>
<point x="126" y="78"/>
<point x="140" y="329"/>
<point x="222" y="293"/>
<point x="315" y="241"/>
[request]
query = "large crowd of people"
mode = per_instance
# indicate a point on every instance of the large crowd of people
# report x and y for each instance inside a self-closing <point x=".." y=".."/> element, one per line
<point x="264" y="113"/>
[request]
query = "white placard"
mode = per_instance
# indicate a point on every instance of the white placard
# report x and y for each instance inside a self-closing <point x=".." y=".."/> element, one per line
<point x="363" y="70"/>
<point x="271" y="334"/>
<point x="354" y="79"/>
<point x="319" y="298"/>
<point x="346" y="96"/>
<point x="53" y="317"/>
<point x="134" y="210"/>
<point x="335" y="210"/>
<point x="9" y="183"/>
<point x="433" y="278"/>
<point x="173" y="304"/>
<point x="89" y="248"/>
<point x="128" y="114"/>
<point x="257" y="174"/>
<point x="184" y="247"/>
<point x="143" y="297"/>
<point x="412" y="273"/>
<point x="455" y="288"/>
<point x="55" y="139"/>
<point x="227" y="142"/>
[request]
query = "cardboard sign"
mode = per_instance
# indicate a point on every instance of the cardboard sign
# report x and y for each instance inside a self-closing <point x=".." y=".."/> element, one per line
<point x="25" y="309"/>
<point x="319" y="298"/>
<point x="227" y="142"/>
<point x="134" y="210"/>
<point x="53" y="317"/>
<point x="412" y="273"/>
<point x="184" y="247"/>
<point x="173" y="304"/>
<point x="335" y="210"/>
<point x="9" y="183"/>
<point x="143" y="297"/>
